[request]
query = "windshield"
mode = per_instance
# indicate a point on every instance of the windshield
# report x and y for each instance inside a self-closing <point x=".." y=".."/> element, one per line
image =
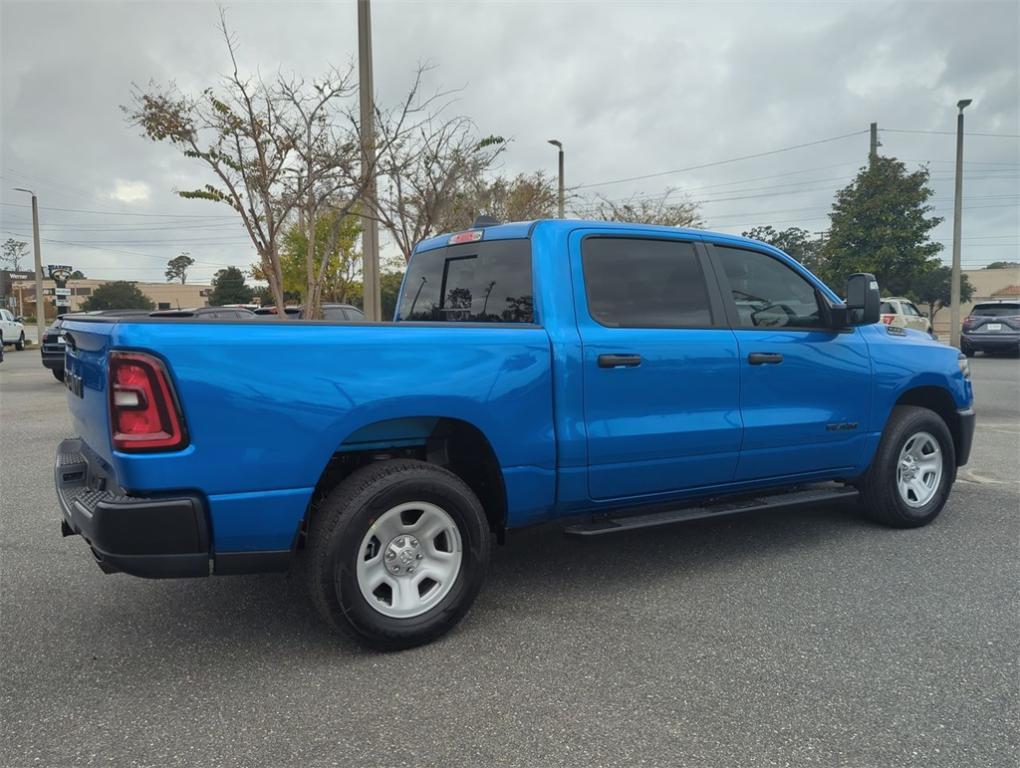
<point x="483" y="282"/>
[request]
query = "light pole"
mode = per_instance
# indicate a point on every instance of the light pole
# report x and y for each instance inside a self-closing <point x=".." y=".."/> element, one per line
<point x="40" y="308"/>
<point x="369" y="225"/>
<point x="954" y="296"/>
<point x="559" y="146"/>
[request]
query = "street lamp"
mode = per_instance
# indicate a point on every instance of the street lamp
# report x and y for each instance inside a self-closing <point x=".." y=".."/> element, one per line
<point x="954" y="296"/>
<point x="559" y="146"/>
<point x="40" y="308"/>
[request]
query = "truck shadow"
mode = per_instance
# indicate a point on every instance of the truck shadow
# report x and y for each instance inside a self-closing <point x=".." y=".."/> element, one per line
<point x="538" y="573"/>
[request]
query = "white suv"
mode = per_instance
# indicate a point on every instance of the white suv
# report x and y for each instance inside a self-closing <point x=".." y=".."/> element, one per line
<point x="11" y="330"/>
<point x="903" y="313"/>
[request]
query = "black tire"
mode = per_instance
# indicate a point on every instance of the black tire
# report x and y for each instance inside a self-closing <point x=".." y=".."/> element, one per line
<point x="20" y="343"/>
<point x="967" y="349"/>
<point x="881" y="498"/>
<point x="340" y="522"/>
<point x="58" y="374"/>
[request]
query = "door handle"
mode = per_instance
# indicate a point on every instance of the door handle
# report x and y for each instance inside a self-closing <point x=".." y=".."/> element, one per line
<point x="619" y="361"/>
<point x="764" y="358"/>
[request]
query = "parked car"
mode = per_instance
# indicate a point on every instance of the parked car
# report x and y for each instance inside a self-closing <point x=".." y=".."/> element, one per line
<point x="53" y="348"/>
<point x="904" y="314"/>
<point x="11" y="330"/>
<point x="992" y="327"/>
<point x="330" y="311"/>
<point x="599" y="376"/>
<point x="207" y="313"/>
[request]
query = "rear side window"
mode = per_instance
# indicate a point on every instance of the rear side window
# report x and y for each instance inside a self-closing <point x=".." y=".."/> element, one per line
<point x="334" y="313"/>
<point x="767" y="293"/>
<point x="483" y="282"/>
<point x="634" y="283"/>
<point x="887" y="308"/>
<point x="996" y="310"/>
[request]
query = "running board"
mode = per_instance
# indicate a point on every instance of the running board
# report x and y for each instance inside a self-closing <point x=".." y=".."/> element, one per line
<point x="801" y="497"/>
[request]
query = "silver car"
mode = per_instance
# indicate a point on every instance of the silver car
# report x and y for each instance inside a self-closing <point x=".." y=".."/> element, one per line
<point x="903" y="313"/>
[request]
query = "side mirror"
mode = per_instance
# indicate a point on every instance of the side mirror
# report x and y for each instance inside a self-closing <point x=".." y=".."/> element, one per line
<point x="863" y="299"/>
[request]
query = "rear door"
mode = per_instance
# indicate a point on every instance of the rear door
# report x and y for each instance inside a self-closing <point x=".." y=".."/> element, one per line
<point x="659" y="364"/>
<point x="805" y="390"/>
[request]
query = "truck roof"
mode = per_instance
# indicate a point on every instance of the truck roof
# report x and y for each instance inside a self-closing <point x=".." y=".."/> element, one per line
<point x="522" y="229"/>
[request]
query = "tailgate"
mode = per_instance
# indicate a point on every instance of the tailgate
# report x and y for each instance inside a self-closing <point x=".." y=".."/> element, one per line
<point x="86" y="381"/>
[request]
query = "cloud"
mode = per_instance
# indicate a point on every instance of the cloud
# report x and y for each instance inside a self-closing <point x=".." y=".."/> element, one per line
<point x="130" y="191"/>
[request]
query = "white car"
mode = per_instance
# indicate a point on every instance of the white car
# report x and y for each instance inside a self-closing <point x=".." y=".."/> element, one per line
<point x="11" y="330"/>
<point x="904" y="314"/>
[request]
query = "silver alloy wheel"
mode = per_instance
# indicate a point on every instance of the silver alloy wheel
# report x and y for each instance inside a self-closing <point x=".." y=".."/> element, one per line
<point x="409" y="560"/>
<point x="919" y="469"/>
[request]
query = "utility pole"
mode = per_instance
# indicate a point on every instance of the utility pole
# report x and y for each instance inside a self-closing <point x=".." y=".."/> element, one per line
<point x="954" y="301"/>
<point x="873" y="152"/>
<point x="40" y="307"/>
<point x="369" y="225"/>
<point x="559" y="145"/>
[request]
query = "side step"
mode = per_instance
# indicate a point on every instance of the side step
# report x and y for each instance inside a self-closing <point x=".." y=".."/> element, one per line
<point x="804" y="495"/>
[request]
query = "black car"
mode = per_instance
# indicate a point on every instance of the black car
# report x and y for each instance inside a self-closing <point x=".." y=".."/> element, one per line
<point x="992" y="326"/>
<point x="53" y="349"/>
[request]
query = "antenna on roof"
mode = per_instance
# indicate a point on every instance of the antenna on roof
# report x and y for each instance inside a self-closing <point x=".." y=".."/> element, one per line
<point x="484" y="221"/>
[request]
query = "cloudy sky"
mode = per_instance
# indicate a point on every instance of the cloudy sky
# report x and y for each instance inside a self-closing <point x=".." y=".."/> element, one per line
<point x="645" y="96"/>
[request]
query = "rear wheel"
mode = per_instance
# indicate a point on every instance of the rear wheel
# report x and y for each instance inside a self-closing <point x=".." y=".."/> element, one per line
<point x="20" y="343"/>
<point x="397" y="553"/>
<point x="913" y="469"/>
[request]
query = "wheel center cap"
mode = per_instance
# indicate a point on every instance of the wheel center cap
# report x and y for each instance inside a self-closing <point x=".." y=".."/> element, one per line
<point x="403" y="555"/>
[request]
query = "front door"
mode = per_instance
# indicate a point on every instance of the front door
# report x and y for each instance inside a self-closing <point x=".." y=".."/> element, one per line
<point x="805" y="390"/>
<point x="660" y="367"/>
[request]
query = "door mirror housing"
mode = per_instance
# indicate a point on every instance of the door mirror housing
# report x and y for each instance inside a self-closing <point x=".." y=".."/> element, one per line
<point x="863" y="299"/>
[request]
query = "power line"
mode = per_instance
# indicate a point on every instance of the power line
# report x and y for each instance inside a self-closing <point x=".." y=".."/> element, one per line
<point x="722" y="162"/>
<point x="952" y="133"/>
<point x="124" y="213"/>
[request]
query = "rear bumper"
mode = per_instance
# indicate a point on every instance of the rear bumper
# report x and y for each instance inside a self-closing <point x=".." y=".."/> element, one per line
<point x="966" y="437"/>
<point x="992" y="341"/>
<point x="151" y="537"/>
<point x="53" y="361"/>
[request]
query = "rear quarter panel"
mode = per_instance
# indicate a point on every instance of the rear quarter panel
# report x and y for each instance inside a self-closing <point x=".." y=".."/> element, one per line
<point x="267" y="404"/>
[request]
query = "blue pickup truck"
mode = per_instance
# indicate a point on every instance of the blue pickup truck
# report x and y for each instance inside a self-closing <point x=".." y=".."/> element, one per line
<point x="599" y="376"/>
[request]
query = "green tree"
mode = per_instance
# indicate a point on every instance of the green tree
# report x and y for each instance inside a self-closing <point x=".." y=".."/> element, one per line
<point x="228" y="287"/>
<point x="389" y="288"/>
<point x="881" y="224"/>
<point x="117" y="295"/>
<point x="177" y="268"/>
<point x="77" y="275"/>
<point x="336" y="261"/>
<point x="1003" y="265"/>
<point x="793" y="241"/>
<point x="934" y="288"/>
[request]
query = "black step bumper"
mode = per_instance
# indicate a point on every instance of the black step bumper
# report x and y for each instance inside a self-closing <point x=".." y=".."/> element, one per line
<point x="966" y="436"/>
<point x="151" y="537"/>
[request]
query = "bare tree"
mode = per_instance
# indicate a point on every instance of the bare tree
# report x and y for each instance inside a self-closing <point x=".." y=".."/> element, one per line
<point x="522" y="198"/>
<point x="12" y="252"/>
<point x="424" y="168"/>
<point x="668" y="210"/>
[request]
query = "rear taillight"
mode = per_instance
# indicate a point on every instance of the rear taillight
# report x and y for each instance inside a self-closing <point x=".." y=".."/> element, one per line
<point x="143" y="411"/>
<point x="967" y="322"/>
<point x="887" y="319"/>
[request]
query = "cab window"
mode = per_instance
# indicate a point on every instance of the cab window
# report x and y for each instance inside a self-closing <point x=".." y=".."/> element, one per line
<point x="767" y="293"/>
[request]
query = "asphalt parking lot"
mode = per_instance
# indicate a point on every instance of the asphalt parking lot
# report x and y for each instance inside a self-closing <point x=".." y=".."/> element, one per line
<point x="808" y="638"/>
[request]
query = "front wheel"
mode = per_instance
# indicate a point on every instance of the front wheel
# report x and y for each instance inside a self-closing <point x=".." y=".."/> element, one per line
<point x="913" y="469"/>
<point x="397" y="553"/>
<point x="20" y="343"/>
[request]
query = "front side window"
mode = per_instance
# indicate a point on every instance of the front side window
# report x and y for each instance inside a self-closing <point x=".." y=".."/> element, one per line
<point x="483" y="282"/>
<point x="643" y="283"/>
<point x="768" y="294"/>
